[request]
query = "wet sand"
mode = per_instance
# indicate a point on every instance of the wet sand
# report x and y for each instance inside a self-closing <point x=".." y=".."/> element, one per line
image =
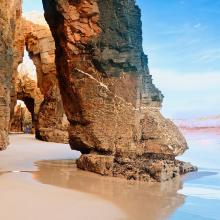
<point x="40" y="180"/>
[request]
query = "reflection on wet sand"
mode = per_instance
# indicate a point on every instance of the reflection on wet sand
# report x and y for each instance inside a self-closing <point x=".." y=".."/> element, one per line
<point x="136" y="199"/>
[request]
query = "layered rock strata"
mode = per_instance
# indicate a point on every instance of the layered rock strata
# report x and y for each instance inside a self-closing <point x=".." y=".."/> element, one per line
<point x="107" y="91"/>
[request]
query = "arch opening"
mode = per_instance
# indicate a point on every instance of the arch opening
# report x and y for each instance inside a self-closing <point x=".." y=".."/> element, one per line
<point x="22" y="120"/>
<point x="36" y="78"/>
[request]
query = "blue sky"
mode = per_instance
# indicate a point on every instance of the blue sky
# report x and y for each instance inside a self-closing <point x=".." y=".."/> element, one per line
<point x="32" y="5"/>
<point x="182" y="40"/>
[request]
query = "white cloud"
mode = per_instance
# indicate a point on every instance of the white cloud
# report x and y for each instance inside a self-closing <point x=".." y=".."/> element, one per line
<point x="186" y="81"/>
<point x="208" y="55"/>
<point x="188" y="94"/>
<point x="36" y="17"/>
<point x="197" y="25"/>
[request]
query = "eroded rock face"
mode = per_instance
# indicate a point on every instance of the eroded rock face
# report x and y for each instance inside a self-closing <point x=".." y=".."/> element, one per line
<point x="51" y="123"/>
<point x="9" y="12"/>
<point x="108" y="94"/>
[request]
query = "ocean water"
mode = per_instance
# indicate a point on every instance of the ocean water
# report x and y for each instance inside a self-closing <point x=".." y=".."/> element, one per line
<point x="201" y="189"/>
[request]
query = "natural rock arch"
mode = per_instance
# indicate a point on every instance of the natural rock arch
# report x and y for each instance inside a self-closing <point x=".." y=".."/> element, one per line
<point x="50" y="121"/>
<point x="51" y="124"/>
<point x="107" y="91"/>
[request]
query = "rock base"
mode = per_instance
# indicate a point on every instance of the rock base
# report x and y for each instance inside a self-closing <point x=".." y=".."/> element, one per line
<point x="52" y="135"/>
<point x="150" y="167"/>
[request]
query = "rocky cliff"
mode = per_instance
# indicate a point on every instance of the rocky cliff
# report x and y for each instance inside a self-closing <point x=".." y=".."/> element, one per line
<point x="108" y="94"/>
<point x="9" y="12"/>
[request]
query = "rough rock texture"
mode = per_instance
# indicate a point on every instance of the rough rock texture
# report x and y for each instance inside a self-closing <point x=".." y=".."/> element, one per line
<point x="51" y="123"/>
<point x="9" y="12"/>
<point x="22" y="119"/>
<point x="108" y="94"/>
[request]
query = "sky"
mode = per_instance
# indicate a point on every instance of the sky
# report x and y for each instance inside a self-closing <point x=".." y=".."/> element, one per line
<point x="182" y="41"/>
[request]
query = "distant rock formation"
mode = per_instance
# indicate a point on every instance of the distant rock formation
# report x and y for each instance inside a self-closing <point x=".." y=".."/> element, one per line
<point x="49" y="119"/>
<point x="51" y="124"/>
<point x="28" y="91"/>
<point x="22" y="120"/>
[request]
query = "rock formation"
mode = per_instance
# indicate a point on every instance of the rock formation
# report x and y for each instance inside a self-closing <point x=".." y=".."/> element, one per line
<point x="9" y="12"/>
<point x="51" y="124"/>
<point x="27" y="90"/>
<point x="107" y="91"/>
<point x="108" y="94"/>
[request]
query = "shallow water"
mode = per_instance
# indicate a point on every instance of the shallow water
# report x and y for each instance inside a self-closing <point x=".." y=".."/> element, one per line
<point x="202" y="189"/>
<point x="195" y="196"/>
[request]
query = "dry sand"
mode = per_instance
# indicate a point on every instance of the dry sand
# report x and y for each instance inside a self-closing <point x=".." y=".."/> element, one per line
<point x="55" y="189"/>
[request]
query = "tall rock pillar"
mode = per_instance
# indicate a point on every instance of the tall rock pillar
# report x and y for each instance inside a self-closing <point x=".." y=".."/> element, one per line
<point x="107" y="91"/>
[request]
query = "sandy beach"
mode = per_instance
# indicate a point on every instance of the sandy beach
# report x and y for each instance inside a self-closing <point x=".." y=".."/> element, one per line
<point x="40" y="180"/>
<point x="43" y="176"/>
<point x="25" y="198"/>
